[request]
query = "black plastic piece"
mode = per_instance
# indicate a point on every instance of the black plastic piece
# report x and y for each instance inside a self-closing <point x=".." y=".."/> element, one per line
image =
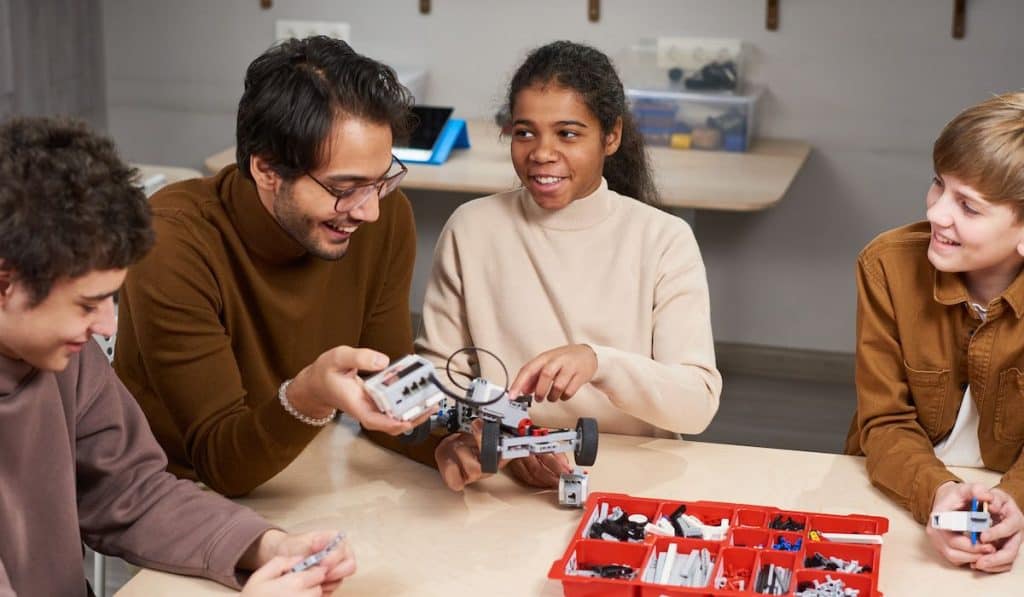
<point x="614" y="571"/>
<point x="716" y="76"/>
<point x="586" y="441"/>
<point x="489" y="446"/>
<point x="418" y="435"/>
<point x="785" y="525"/>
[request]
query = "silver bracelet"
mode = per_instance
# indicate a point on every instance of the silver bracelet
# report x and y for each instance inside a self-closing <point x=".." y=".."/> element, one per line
<point x="282" y="396"/>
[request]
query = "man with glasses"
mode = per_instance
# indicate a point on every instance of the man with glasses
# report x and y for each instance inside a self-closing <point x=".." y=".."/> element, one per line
<point x="275" y="281"/>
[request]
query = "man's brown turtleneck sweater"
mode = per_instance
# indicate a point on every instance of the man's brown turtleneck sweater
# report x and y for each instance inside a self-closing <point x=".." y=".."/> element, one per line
<point x="228" y="305"/>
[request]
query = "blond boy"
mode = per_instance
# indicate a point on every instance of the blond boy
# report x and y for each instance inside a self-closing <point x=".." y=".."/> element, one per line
<point x="940" y="338"/>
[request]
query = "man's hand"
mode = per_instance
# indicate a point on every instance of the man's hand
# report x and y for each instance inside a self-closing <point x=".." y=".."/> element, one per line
<point x="458" y="461"/>
<point x="331" y="381"/>
<point x="1005" y="534"/>
<point x="556" y="374"/>
<point x="276" y="552"/>
<point x="956" y="547"/>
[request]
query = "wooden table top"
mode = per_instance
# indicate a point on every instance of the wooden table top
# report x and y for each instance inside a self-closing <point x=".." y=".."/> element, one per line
<point x="412" y="536"/>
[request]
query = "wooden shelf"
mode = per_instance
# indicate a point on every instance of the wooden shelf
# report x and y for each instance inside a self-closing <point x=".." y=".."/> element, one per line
<point x="718" y="180"/>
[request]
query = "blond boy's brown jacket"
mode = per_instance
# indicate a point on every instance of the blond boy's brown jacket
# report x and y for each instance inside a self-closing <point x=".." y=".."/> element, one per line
<point x="919" y="344"/>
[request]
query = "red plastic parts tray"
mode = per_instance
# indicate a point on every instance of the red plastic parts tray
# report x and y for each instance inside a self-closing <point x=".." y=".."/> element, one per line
<point x="745" y="547"/>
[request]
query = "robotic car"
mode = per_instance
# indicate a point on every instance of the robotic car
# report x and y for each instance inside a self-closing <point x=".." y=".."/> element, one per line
<point x="410" y="387"/>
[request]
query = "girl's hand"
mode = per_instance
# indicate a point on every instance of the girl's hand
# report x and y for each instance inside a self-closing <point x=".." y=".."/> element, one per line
<point x="556" y="374"/>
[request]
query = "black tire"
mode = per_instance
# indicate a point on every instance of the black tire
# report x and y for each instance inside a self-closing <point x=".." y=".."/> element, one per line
<point x="586" y="441"/>
<point x="417" y="436"/>
<point x="489" y="447"/>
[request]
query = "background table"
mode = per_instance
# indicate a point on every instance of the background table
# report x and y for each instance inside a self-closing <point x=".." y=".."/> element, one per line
<point x="693" y="179"/>
<point x="412" y="536"/>
<point x="170" y="174"/>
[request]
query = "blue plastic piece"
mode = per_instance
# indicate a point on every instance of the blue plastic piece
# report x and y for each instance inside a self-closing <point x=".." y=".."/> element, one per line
<point x="454" y="135"/>
<point x="734" y="142"/>
<point x="974" y="508"/>
<point x="781" y="544"/>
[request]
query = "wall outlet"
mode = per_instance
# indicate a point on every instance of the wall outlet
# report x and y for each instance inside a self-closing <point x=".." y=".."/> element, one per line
<point x="289" y="28"/>
<point x="691" y="53"/>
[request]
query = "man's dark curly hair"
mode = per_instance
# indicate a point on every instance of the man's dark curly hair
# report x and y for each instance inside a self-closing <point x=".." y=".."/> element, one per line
<point x="295" y="90"/>
<point x="68" y="204"/>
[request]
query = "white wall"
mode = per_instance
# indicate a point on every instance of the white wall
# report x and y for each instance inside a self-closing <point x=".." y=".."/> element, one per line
<point x="868" y="83"/>
<point x="51" y="59"/>
<point x="6" y="62"/>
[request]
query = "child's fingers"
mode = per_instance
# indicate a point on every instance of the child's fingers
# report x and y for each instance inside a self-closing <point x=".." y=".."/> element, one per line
<point x="958" y="496"/>
<point x="307" y="579"/>
<point x="574" y="386"/>
<point x="959" y="557"/>
<point x="546" y="380"/>
<point x="343" y="569"/>
<point x="1001" y="560"/>
<point x="1002" y="505"/>
<point x="974" y="491"/>
<point x="340" y="553"/>
<point x="277" y="566"/>
<point x="561" y="383"/>
<point x="321" y="539"/>
<point x="967" y="491"/>
<point x="525" y="381"/>
<point x="990" y="570"/>
<point x="961" y="542"/>
<point x="997" y="504"/>
<point x="1006" y="527"/>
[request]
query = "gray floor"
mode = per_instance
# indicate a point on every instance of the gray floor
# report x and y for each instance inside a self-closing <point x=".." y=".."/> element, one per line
<point x="118" y="573"/>
<point x="782" y="413"/>
<point x="755" y="411"/>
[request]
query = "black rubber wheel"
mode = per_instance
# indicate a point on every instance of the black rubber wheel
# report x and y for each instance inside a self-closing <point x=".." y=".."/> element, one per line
<point x="586" y="441"/>
<point x="418" y="435"/>
<point x="489" y="447"/>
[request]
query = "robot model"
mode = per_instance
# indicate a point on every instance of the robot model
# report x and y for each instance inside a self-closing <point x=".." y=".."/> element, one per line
<point x="409" y="387"/>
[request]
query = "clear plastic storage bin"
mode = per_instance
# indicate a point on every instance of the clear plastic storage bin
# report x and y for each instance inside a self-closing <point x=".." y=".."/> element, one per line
<point x="695" y="120"/>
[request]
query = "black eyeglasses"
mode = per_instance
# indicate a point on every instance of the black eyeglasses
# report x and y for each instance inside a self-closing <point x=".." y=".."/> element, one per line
<point x="353" y="197"/>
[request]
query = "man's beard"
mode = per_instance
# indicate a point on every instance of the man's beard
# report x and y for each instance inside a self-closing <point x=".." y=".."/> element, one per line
<point x="301" y="227"/>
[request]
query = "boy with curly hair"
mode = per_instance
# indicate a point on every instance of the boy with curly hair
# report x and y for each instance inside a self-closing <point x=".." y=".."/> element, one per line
<point x="79" y="461"/>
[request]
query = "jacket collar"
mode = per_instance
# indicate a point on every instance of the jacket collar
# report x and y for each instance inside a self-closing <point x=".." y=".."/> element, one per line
<point x="950" y="290"/>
